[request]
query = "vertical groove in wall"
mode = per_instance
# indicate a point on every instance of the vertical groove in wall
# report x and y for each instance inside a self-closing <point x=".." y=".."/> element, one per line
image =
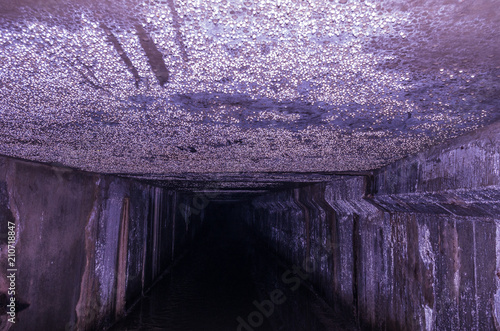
<point x="174" y="205"/>
<point x="121" y="269"/>
<point x="145" y="240"/>
<point x="156" y="220"/>
<point x="335" y="246"/>
<point x="356" y="244"/>
<point x="496" y="296"/>
<point x="305" y="210"/>
<point x="476" y="298"/>
<point x="332" y="242"/>
<point x="87" y="312"/>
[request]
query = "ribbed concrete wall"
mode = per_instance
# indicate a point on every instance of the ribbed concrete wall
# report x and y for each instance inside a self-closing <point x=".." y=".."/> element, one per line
<point x="87" y="245"/>
<point x="413" y="248"/>
<point x="323" y="229"/>
<point x="445" y="205"/>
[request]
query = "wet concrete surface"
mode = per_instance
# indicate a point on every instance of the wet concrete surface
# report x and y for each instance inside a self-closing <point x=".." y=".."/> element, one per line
<point x="175" y="88"/>
<point x="220" y="282"/>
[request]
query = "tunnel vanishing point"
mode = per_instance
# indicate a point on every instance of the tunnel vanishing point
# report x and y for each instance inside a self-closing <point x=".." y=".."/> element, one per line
<point x="250" y="165"/>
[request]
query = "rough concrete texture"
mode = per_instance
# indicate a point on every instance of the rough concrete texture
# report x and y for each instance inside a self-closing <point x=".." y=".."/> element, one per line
<point x="314" y="227"/>
<point x="389" y="271"/>
<point x="175" y="87"/>
<point x="88" y="245"/>
<point x="460" y="177"/>
<point x="390" y="264"/>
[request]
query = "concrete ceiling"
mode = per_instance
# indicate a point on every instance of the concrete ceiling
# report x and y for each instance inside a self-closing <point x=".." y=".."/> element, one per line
<point x="175" y="89"/>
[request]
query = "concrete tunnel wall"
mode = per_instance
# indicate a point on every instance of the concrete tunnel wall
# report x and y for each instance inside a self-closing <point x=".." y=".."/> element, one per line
<point x="414" y="247"/>
<point x="87" y="245"/>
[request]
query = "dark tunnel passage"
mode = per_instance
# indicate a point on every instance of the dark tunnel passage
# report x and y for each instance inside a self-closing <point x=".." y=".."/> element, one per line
<point x="410" y="246"/>
<point x="230" y="280"/>
<point x="208" y="288"/>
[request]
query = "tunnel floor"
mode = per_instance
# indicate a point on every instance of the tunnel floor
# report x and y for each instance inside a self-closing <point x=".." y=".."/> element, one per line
<point x="217" y="284"/>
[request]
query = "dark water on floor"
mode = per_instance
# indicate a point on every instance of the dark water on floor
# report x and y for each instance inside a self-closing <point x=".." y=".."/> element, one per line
<point x="221" y="279"/>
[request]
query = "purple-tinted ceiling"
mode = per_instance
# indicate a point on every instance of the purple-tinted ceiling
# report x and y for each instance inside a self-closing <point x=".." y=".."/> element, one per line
<point x="164" y="88"/>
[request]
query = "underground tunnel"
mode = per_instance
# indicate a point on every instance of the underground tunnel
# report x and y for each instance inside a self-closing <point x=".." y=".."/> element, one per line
<point x="249" y="165"/>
